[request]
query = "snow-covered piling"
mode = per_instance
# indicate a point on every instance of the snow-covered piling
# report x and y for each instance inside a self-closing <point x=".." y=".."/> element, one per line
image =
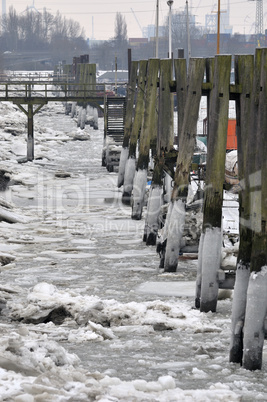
<point x="130" y="169"/>
<point x="164" y="144"/>
<point x="147" y="135"/>
<point x="136" y="127"/>
<point x="175" y="234"/>
<point x="167" y="187"/>
<point x="199" y="271"/>
<point x="131" y="90"/>
<point x="215" y="172"/>
<point x="244" y="73"/>
<point x="138" y="196"/>
<point x="183" y="164"/>
<point x="211" y="262"/>
<point x="238" y="312"/>
<point x="256" y="310"/>
<point x="81" y="118"/>
<point x="155" y="201"/>
<point x="73" y="109"/>
<point x="122" y="165"/>
<point x="95" y="119"/>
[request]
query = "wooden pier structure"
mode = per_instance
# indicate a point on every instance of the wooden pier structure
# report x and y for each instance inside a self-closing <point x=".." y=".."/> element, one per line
<point x="143" y="127"/>
<point x="151" y="120"/>
<point x="31" y="93"/>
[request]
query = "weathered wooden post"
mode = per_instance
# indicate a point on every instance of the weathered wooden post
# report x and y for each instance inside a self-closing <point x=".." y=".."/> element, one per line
<point x="81" y="83"/>
<point x="30" y="139"/>
<point x="164" y="144"/>
<point x="91" y="77"/>
<point x="210" y="63"/>
<point x="77" y="76"/>
<point x="148" y="131"/>
<point x="244" y="72"/>
<point x="131" y="90"/>
<point x="181" y="90"/>
<point x="215" y="173"/>
<point x="183" y="165"/>
<point x="75" y="87"/>
<point x="136" y="127"/>
<point x="256" y="308"/>
<point x="30" y="114"/>
<point x="90" y="86"/>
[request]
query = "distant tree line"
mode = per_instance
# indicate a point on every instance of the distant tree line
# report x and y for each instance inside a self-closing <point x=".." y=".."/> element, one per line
<point x="62" y="39"/>
<point x="34" y="31"/>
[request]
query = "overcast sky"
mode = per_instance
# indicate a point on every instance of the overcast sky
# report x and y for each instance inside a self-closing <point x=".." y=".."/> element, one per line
<point x="98" y="16"/>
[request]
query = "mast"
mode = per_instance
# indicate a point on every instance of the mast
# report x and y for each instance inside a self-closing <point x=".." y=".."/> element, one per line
<point x="188" y="34"/>
<point x="218" y="26"/>
<point x="157" y="29"/>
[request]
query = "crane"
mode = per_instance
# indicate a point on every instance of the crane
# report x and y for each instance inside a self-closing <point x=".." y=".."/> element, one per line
<point x="259" y="17"/>
<point x="137" y="20"/>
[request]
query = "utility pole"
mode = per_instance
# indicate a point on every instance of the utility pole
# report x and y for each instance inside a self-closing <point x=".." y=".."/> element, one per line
<point x="157" y="29"/>
<point x="170" y="3"/>
<point x="188" y="34"/>
<point x="218" y="26"/>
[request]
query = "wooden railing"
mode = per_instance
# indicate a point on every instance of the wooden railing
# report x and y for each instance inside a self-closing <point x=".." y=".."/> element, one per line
<point x="52" y="91"/>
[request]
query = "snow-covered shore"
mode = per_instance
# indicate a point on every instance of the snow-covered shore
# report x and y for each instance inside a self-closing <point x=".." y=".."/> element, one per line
<point x="86" y="314"/>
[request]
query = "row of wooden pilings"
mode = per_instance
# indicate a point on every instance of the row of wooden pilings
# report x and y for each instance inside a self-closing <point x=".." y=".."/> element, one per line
<point x="149" y="123"/>
<point x="84" y="76"/>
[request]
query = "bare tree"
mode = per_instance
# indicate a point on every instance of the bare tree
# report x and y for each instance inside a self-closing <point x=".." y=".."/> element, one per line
<point x="10" y="28"/>
<point x="48" y="21"/>
<point x="120" y="41"/>
<point x="120" y="28"/>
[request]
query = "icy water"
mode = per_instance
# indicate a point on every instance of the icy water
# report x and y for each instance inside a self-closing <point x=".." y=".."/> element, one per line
<point x="79" y="237"/>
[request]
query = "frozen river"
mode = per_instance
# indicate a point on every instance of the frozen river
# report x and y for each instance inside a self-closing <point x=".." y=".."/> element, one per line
<point x="86" y="312"/>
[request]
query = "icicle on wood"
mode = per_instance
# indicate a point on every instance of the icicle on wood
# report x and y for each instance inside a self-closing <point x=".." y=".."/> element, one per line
<point x="256" y="310"/>
<point x="183" y="165"/>
<point x="73" y="109"/>
<point x="199" y="271"/>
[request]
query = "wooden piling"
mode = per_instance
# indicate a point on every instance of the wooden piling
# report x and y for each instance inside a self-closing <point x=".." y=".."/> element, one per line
<point x="131" y="91"/>
<point x="244" y="72"/>
<point x="91" y="76"/>
<point x="180" y="71"/>
<point x="30" y="139"/>
<point x="181" y="90"/>
<point x="148" y="130"/>
<point x="210" y="63"/>
<point x="183" y="165"/>
<point x="165" y="138"/>
<point x="256" y="308"/>
<point x="215" y="173"/>
<point x="135" y="132"/>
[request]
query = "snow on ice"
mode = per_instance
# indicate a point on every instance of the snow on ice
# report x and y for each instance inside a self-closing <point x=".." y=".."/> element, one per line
<point x="86" y="314"/>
